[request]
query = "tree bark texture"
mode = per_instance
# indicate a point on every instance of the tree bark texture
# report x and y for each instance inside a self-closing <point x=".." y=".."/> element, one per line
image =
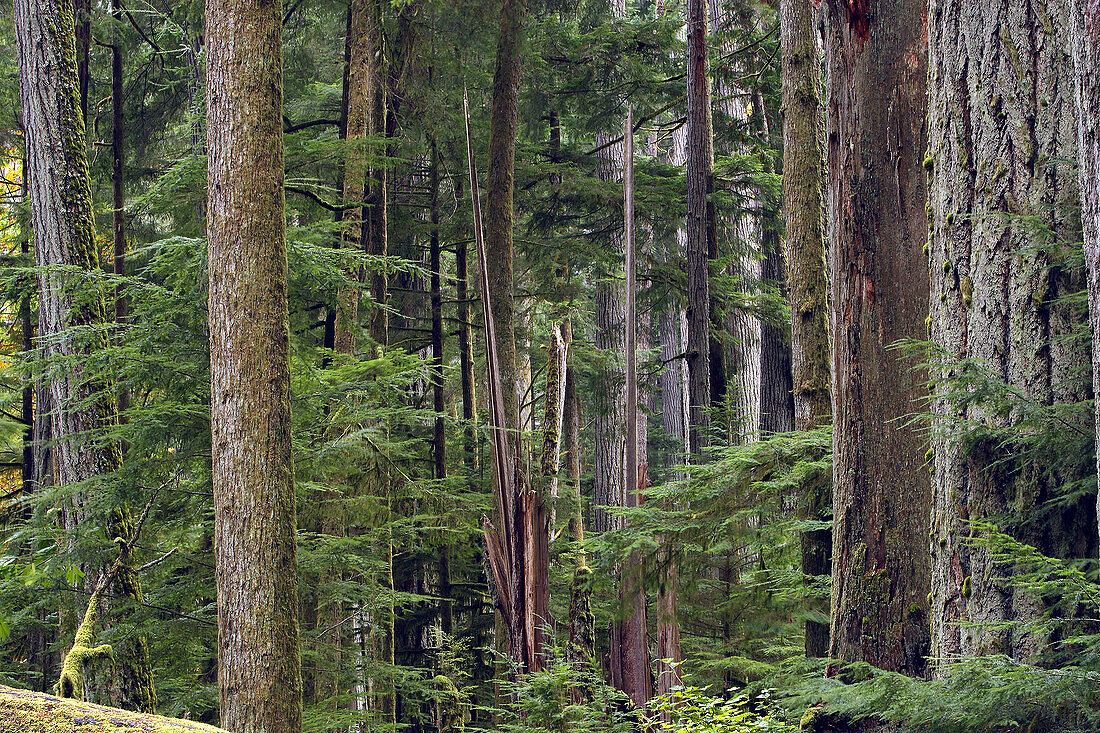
<point x="64" y="237"/>
<point x="1001" y="124"/>
<point x="1086" y="58"/>
<point x="259" y="672"/>
<point x="498" y="226"/>
<point x="376" y="218"/>
<point x="807" y="277"/>
<point x="876" y="71"/>
<point x="700" y="223"/>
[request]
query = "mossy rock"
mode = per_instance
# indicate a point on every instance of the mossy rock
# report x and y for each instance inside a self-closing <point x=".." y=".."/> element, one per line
<point x="22" y="711"/>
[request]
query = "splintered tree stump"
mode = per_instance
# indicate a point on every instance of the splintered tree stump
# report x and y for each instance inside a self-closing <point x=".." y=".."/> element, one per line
<point x="22" y="711"/>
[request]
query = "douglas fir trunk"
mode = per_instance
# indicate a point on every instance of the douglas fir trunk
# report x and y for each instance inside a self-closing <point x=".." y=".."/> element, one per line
<point x="876" y="61"/>
<point x="259" y="671"/>
<point x="1001" y="125"/>
<point x="1086" y="57"/>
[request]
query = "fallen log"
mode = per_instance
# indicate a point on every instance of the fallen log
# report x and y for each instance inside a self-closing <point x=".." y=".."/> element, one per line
<point x="23" y="711"/>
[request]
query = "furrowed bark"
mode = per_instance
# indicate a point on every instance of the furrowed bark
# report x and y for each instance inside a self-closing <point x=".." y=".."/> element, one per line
<point x="1085" y="16"/>
<point x="259" y="671"/>
<point x="876" y="65"/>
<point x="700" y="224"/>
<point x="64" y="237"/>
<point x="1001" y="123"/>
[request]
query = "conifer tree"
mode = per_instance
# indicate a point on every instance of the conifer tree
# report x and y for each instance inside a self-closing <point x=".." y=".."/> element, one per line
<point x="72" y="319"/>
<point x="875" y="61"/>
<point x="259" y="669"/>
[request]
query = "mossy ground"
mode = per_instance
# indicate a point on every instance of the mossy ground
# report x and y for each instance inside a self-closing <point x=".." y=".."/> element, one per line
<point x="22" y="711"/>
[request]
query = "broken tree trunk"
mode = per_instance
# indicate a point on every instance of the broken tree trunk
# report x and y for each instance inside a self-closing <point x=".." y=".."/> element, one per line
<point x="34" y="712"/>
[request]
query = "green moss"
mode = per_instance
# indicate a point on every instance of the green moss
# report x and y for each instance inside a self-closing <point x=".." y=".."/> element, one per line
<point x="810" y="719"/>
<point x="946" y="267"/>
<point x="967" y="288"/>
<point x="929" y="162"/>
<point x="38" y="713"/>
<point x="965" y="590"/>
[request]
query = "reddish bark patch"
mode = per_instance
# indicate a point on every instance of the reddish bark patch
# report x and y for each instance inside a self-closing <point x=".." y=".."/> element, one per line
<point x="859" y="18"/>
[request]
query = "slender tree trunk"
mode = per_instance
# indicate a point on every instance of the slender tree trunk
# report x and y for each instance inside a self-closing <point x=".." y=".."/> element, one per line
<point x="998" y="137"/>
<point x="118" y="190"/>
<point x="634" y="653"/>
<point x="64" y="236"/>
<point x="807" y="278"/>
<point x="876" y="61"/>
<point x="1086" y="57"/>
<point x="700" y="225"/>
<point x="675" y="399"/>
<point x="582" y="630"/>
<point x="259" y="671"/>
<point x="499" y="222"/>
<point x="376" y="219"/>
<point x="465" y="346"/>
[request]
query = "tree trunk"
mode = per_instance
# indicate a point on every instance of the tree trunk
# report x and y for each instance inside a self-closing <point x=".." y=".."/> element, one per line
<point x="675" y="418"/>
<point x="376" y="219"/>
<point x="700" y="224"/>
<point x="997" y="139"/>
<point x="807" y="279"/>
<point x="1086" y="57"/>
<point x="63" y="226"/>
<point x="499" y="222"/>
<point x="875" y="52"/>
<point x="259" y="671"/>
<point x="634" y="653"/>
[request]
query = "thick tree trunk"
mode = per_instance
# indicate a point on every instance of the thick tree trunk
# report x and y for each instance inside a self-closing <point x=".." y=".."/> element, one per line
<point x="63" y="226"/>
<point x="876" y="61"/>
<point x="807" y="278"/>
<point x="700" y="224"/>
<point x="998" y="137"/>
<point x="259" y="672"/>
<point x="1086" y="57"/>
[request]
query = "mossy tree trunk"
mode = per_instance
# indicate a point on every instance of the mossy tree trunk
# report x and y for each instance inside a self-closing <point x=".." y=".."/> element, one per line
<point x="807" y="277"/>
<point x="876" y="62"/>
<point x="259" y="671"/>
<point x="64" y="237"/>
<point x="1001" y="126"/>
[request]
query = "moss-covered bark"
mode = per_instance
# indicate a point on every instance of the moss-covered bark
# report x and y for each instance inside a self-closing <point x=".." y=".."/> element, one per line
<point x="33" y="712"/>
<point x="259" y="669"/>
<point x="807" y="278"/>
<point x="73" y="310"/>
